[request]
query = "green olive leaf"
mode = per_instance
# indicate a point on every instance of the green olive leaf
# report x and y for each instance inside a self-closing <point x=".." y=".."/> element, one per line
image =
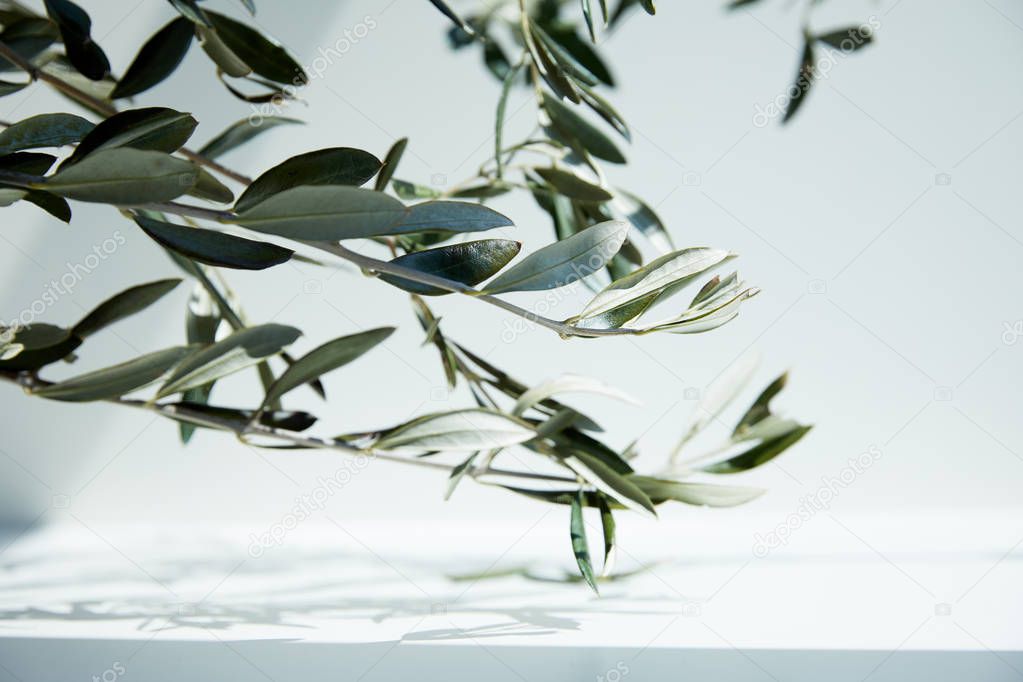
<point x="337" y="166"/>
<point x="565" y="261"/>
<point x="460" y="430"/>
<point x="241" y="349"/>
<point x="157" y="59"/>
<point x="469" y="263"/>
<point x="129" y="302"/>
<point x="214" y="248"/>
<point x="326" y="358"/>
<point x="113" y="382"/>
<point x="124" y="177"/>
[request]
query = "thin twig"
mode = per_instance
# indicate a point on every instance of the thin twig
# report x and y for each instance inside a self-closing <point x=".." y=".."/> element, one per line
<point x="179" y="412"/>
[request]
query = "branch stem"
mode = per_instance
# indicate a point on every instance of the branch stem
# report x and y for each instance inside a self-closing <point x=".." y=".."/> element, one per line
<point x="30" y="383"/>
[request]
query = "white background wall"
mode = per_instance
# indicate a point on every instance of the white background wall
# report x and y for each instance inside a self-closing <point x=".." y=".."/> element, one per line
<point x="919" y="278"/>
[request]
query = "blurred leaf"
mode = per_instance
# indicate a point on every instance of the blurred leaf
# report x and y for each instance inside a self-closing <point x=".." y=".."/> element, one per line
<point x="190" y="10"/>
<point x="564" y="262"/>
<point x="607" y="112"/>
<point x="761" y="407"/>
<point x="7" y="88"/>
<point x="41" y="344"/>
<point x="579" y="133"/>
<point x="457" y="474"/>
<point x="579" y="544"/>
<point x="849" y="39"/>
<point x="226" y="60"/>
<point x="209" y="188"/>
<point x="265" y="56"/>
<point x="44" y="130"/>
<point x="125" y="304"/>
<point x="643" y="218"/>
<point x="75" y="27"/>
<point x="325" y="213"/>
<point x="157" y="59"/>
<point x="241" y="349"/>
<point x="337" y="166"/>
<point x="564" y="59"/>
<point x="502" y="106"/>
<point x="758" y="454"/>
<point x="202" y="319"/>
<point x="326" y="358"/>
<point x="28" y="36"/>
<point x="156" y="128"/>
<point x="607" y="526"/>
<point x="124" y="177"/>
<point x="113" y="382"/>
<point x="567" y="383"/>
<point x="53" y="205"/>
<point x="581" y="51"/>
<point x="804" y="79"/>
<point x="573" y="186"/>
<point x="699" y="494"/>
<point x="214" y="248"/>
<point x="390" y="164"/>
<point x="450" y="14"/>
<point x="609" y="481"/>
<point x="238" y="419"/>
<point x="469" y="263"/>
<point x="409" y="190"/>
<point x="241" y="132"/>
<point x="459" y="430"/>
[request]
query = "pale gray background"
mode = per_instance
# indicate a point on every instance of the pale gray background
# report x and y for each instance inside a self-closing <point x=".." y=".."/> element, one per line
<point x="920" y="278"/>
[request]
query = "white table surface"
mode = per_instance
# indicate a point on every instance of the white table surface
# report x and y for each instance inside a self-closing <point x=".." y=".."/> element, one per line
<point x="879" y="598"/>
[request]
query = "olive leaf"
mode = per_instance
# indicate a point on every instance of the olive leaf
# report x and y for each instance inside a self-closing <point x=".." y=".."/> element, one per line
<point x="75" y="27"/>
<point x="113" y="382"/>
<point x="567" y="383"/>
<point x="264" y="56"/>
<point x="157" y="59"/>
<point x="761" y="453"/>
<point x="326" y="358"/>
<point x="337" y="166"/>
<point x="579" y="133"/>
<point x="609" y="481"/>
<point x="459" y="430"/>
<point x="694" y="493"/>
<point x="469" y="263"/>
<point x="804" y="79"/>
<point x="214" y="248"/>
<point x="580" y="546"/>
<point x="125" y="304"/>
<point x="44" y="130"/>
<point x="124" y="177"/>
<point x="390" y="164"/>
<point x="324" y="213"/>
<point x="156" y="128"/>
<point x="573" y="186"/>
<point x="40" y="345"/>
<point x="241" y="349"/>
<point x="564" y="262"/>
